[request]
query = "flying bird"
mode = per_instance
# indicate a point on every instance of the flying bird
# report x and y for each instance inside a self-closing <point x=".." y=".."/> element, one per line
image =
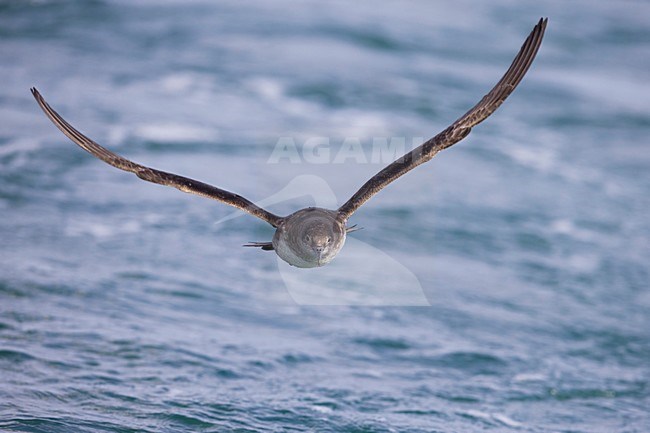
<point x="313" y="236"/>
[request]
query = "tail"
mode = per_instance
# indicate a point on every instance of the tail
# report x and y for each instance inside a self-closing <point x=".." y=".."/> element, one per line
<point x="266" y="246"/>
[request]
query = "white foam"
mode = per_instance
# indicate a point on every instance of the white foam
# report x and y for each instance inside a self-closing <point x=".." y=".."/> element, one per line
<point x="19" y="149"/>
<point x="267" y="88"/>
<point x="275" y="92"/>
<point x="19" y="145"/>
<point x="586" y="263"/>
<point x="175" y="132"/>
<point x="567" y="227"/>
<point x="477" y="414"/>
<point x="356" y="123"/>
<point x="622" y="95"/>
<point x="100" y="230"/>
<point x="542" y="159"/>
<point x="506" y="420"/>
<point x="322" y="409"/>
<point x="529" y="377"/>
<point x="179" y="83"/>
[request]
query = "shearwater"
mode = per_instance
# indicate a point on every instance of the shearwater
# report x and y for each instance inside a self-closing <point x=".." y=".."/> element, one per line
<point x="313" y="236"/>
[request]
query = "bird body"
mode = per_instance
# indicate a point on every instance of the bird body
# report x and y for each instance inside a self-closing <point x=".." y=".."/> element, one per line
<point x="312" y="237"/>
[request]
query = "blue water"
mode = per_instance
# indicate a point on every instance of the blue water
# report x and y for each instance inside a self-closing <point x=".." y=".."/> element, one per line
<point x="501" y="287"/>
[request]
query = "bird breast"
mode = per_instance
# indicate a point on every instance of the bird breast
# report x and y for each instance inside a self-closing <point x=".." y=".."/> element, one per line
<point x="289" y="240"/>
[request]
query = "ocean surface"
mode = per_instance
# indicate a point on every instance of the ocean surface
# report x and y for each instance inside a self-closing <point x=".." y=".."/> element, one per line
<point x="501" y="287"/>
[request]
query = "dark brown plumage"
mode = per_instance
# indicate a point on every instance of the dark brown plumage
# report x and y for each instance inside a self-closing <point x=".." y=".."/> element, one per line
<point x="458" y="130"/>
<point x="313" y="237"/>
<point x="184" y="184"/>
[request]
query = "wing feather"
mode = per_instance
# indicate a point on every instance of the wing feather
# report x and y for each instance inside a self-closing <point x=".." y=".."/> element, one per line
<point x="457" y="130"/>
<point x="184" y="184"/>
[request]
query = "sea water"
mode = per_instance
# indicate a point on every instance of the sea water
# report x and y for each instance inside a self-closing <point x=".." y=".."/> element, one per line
<point x="503" y="286"/>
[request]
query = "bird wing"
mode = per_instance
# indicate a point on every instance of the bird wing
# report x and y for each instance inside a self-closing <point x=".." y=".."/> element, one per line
<point x="457" y="130"/>
<point x="184" y="184"/>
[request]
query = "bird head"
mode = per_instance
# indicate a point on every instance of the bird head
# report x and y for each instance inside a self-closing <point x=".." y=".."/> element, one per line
<point x="317" y="241"/>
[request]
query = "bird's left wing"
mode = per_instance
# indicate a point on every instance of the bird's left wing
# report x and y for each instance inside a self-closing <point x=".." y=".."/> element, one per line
<point x="457" y="130"/>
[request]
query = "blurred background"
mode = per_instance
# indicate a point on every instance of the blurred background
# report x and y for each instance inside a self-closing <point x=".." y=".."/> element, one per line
<point x="125" y="306"/>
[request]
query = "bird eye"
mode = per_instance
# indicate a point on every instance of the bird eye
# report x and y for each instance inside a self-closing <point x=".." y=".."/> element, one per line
<point x="329" y="240"/>
<point x="307" y="238"/>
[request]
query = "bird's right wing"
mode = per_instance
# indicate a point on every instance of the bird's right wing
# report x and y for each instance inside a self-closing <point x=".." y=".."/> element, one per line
<point x="152" y="175"/>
